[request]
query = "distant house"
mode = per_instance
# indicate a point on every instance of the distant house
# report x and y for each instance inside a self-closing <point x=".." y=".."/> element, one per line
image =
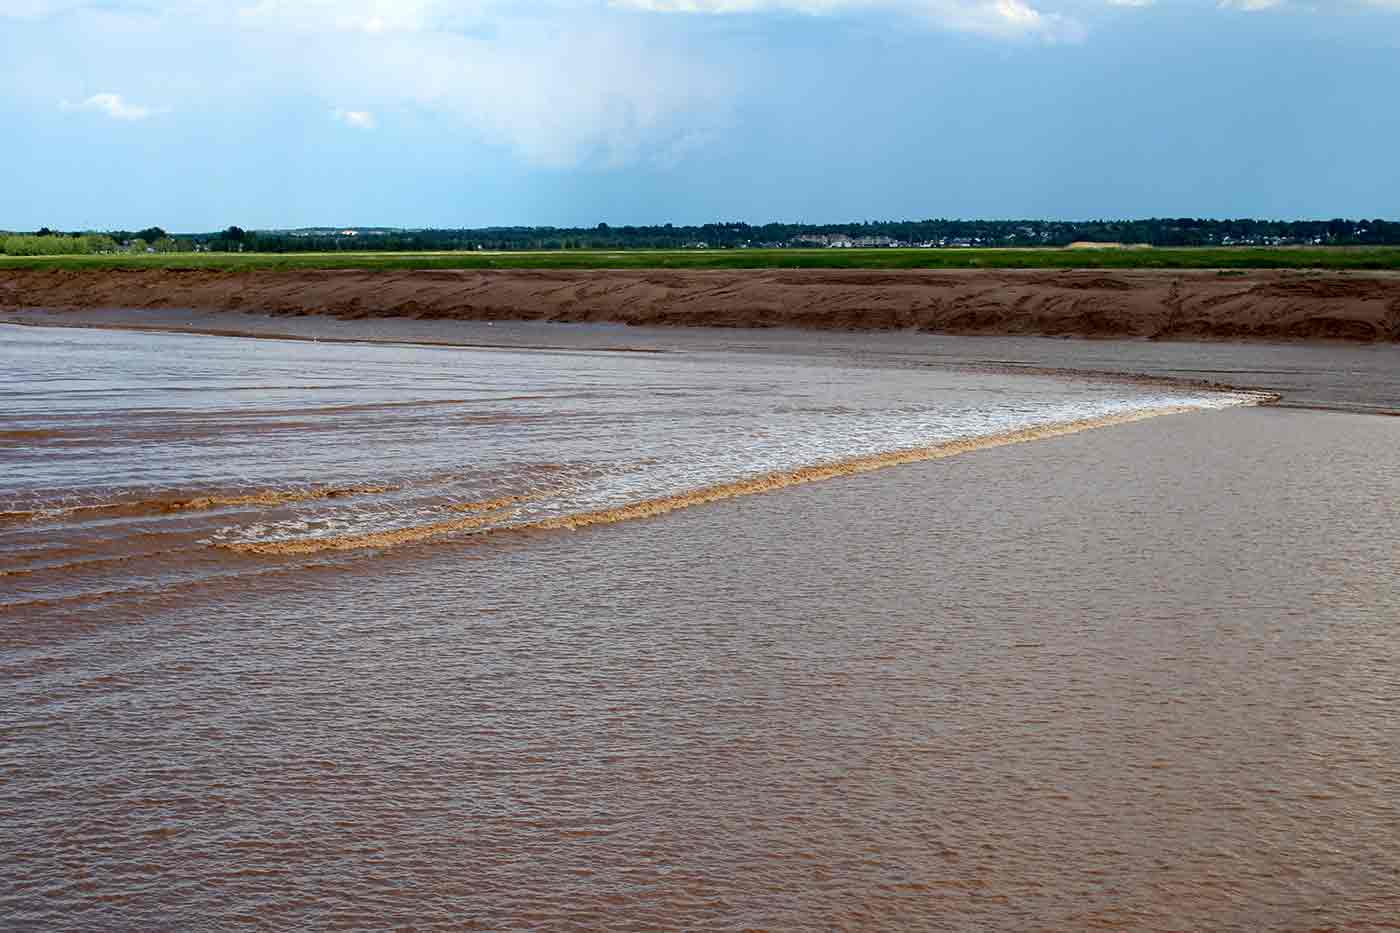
<point x="844" y="241"/>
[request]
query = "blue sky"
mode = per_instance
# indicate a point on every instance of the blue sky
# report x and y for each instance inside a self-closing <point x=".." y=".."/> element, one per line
<point x="197" y="114"/>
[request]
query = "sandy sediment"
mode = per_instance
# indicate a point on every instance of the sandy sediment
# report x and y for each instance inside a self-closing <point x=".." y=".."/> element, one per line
<point x="1130" y="303"/>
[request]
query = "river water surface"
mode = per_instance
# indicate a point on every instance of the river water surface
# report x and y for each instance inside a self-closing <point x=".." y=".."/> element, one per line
<point x="138" y="464"/>
<point x="295" y="636"/>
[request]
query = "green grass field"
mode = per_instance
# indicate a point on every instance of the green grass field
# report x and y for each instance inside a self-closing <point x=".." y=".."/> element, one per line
<point x="1337" y="258"/>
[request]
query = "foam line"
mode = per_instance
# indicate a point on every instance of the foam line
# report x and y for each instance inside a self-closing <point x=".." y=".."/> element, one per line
<point x="269" y="497"/>
<point x="663" y="505"/>
<point x="378" y="539"/>
<point x="856" y="465"/>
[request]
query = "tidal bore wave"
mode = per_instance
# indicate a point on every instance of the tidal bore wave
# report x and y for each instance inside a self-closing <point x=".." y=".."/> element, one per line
<point x="499" y="512"/>
<point x="263" y="498"/>
<point x="377" y="539"/>
<point x="218" y="463"/>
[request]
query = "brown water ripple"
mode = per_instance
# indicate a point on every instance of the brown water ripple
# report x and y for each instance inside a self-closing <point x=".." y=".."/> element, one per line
<point x="1141" y="678"/>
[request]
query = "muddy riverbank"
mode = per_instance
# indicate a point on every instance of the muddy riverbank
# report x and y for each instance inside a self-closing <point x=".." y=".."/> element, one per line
<point x="1159" y="304"/>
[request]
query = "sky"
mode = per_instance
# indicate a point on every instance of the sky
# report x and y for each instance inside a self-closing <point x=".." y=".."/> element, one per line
<point x="197" y="114"/>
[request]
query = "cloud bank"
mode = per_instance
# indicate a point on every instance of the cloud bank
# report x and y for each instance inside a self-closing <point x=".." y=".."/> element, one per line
<point x="356" y="119"/>
<point x="557" y="82"/>
<point x="114" y="106"/>
<point x="996" y="18"/>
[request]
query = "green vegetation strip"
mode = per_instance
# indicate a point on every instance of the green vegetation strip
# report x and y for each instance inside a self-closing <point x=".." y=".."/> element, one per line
<point x="1336" y="258"/>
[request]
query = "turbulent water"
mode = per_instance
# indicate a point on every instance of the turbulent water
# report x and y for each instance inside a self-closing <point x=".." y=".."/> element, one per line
<point x="287" y="640"/>
<point x="136" y="464"/>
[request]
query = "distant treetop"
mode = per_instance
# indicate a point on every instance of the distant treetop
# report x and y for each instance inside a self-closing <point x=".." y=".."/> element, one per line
<point x="1179" y="231"/>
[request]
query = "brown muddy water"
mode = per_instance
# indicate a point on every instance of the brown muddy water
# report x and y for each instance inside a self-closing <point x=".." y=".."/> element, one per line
<point x="1138" y="676"/>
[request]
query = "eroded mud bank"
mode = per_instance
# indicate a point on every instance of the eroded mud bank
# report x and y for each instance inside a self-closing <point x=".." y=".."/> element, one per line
<point x="1160" y="304"/>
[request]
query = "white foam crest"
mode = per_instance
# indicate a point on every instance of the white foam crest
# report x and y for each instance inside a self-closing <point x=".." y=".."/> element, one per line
<point x="705" y="461"/>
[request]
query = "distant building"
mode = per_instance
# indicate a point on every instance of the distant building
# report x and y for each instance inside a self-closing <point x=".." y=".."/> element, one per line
<point x="844" y="241"/>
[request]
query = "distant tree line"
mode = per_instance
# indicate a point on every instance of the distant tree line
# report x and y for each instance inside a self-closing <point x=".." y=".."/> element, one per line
<point x="1182" y="231"/>
<point x="1003" y="233"/>
<point x="60" y="245"/>
<point x="46" y="242"/>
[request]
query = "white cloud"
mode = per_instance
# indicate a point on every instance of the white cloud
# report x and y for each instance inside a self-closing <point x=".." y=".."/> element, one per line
<point x="114" y="106"/>
<point x="374" y="17"/>
<point x="560" y="95"/>
<point x="1335" y="6"/>
<point x="557" y="82"/>
<point x="358" y="119"/>
<point x="1055" y="19"/>
<point x="809" y="7"/>
<point x="37" y="9"/>
<point x="998" y="18"/>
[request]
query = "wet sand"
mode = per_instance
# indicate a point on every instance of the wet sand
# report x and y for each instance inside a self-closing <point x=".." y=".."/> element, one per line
<point x="1161" y="304"/>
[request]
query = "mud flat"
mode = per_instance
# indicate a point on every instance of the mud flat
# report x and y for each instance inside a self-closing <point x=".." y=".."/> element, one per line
<point x="1159" y="304"/>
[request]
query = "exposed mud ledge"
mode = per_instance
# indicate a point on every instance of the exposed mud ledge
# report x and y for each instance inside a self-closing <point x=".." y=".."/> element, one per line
<point x="1161" y="304"/>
